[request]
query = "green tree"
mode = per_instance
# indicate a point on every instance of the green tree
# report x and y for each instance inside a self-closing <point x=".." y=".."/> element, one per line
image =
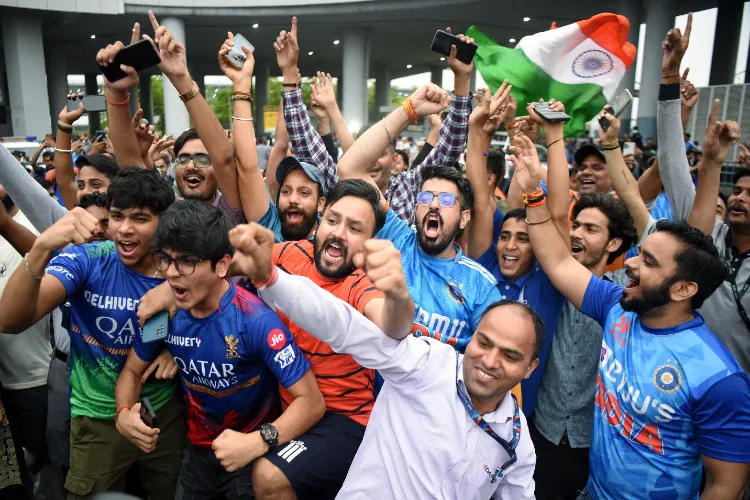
<point x="157" y="99"/>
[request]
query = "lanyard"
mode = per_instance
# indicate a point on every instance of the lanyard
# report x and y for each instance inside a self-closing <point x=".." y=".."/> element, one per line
<point x="510" y="448"/>
<point x="732" y="282"/>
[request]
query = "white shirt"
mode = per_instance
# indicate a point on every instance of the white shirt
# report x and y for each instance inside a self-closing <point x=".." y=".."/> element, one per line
<point x="420" y="442"/>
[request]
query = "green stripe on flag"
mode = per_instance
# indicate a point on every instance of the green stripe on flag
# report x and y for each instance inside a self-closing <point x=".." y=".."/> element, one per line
<point x="530" y="83"/>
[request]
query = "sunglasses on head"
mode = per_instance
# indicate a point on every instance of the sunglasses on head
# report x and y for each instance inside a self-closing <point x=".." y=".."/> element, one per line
<point x="445" y="200"/>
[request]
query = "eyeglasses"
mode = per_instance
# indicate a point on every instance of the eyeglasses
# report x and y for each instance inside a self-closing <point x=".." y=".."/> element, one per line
<point x="445" y="200"/>
<point x="184" y="264"/>
<point x="200" y="160"/>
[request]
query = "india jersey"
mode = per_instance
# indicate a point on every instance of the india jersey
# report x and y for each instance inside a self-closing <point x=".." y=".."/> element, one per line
<point x="104" y="295"/>
<point x="230" y="363"/>
<point x="664" y="397"/>
<point x="450" y="294"/>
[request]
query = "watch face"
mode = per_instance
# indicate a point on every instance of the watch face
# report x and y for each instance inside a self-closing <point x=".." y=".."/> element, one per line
<point x="269" y="433"/>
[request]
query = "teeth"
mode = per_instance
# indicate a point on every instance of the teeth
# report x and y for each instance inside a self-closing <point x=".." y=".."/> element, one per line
<point x="484" y="375"/>
<point x="508" y="257"/>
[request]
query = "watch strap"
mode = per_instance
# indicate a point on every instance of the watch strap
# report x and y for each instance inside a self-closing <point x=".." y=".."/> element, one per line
<point x="194" y="91"/>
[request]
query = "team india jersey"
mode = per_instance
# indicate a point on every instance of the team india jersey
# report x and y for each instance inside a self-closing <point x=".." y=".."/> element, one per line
<point x="450" y="294"/>
<point x="104" y="295"/>
<point x="664" y="397"/>
<point x="230" y="363"/>
<point x="346" y="386"/>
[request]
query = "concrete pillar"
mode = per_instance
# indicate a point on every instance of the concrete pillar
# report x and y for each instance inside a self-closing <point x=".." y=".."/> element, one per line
<point x="176" y="117"/>
<point x="356" y="62"/>
<point x="144" y="91"/>
<point x="659" y="19"/>
<point x="92" y="88"/>
<point x="27" y="76"/>
<point x="633" y="10"/>
<point x="57" y="79"/>
<point x="726" y="42"/>
<point x="382" y="91"/>
<point x="261" y="97"/>
<point x="436" y="75"/>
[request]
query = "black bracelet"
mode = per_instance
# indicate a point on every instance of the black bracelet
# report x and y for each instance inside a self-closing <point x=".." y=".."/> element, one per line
<point x="611" y="148"/>
<point x="556" y="140"/>
<point x="295" y="85"/>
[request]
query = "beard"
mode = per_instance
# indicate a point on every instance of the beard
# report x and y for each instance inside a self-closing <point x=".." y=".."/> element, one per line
<point x="591" y="258"/>
<point x="344" y="269"/>
<point x="299" y="230"/>
<point x="434" y="246"/>
<point x="651" y="301"/>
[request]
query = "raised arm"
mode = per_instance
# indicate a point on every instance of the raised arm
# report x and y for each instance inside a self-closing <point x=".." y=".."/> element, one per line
<point x="325" y="96"/>
<point x="252" y="188"/>
<point x="306" y="142"/>
<point x="550" y="249"/>
<point x="124" y="141"/>
<point x="717" y="142"/>
<point x="174" y="66"/>
<point x="278" y="152"/>
<point x="64" y="172"/>
<point x="622" y="179"/>
<point x="483" y="207"/>
<point x="20" y="238"/>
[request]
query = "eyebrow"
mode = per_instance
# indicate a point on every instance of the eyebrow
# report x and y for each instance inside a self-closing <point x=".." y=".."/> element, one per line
<point x="350" y="220"/>
<point x="650" y="256"/>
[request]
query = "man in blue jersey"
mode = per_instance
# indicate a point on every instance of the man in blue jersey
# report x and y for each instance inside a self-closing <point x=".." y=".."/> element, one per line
<point x="231" y="349"/>
<point x="670" y="397"/>
<point x="103" y="283"/>
<point x="450" y="290"/>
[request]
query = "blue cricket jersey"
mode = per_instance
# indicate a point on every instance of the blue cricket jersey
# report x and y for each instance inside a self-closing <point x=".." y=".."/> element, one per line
<point x="665" y="396"/>
<point x="450" y="294"/>
<point x="230" y="363"/>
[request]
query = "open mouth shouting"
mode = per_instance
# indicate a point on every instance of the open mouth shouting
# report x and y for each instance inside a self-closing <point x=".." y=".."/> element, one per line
<point x="180" y="294"/>
<point x="127" y="248"/>
<point x="588" y="184"/>
<point x="193" y="180"/>
<point x="634" y="281"/>
<point x="334" y="250"/>
<point x="576" y="246"/>
<point x="294" y="216"/>
<point x="431" y="224"/>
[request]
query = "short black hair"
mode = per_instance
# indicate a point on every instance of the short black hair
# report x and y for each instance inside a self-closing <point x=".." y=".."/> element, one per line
<point x="449" y="173"/>
<point x="698" y="260"/>
<point x="189" y="135"/>
<point x="740" y="173"/>
<point x="723" y="198"/>
<point x="516" y="213"/>
<point x="95" y="199"/>
<point x="105" y="164"/>
<point x="403" y="156"/>
<point x="135" y="187"/>
<point x="539" y="330"/>
<point x="496" y="165"/>
<point x="359" y="188"/>
<point x="620" y="223"/>
<point x="51" y="155"/>
<point x="194" y="228"/>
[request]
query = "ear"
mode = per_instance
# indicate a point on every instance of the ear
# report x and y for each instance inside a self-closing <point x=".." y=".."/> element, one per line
<point x="222" y="267"/>
<point x="530" y="369"/>
<point x="321" y="204"/>
<point x="491" y="179"/>
<point x="683" y="290"/>
<point x="613" y="245"/>
<point x="465" y="218"/>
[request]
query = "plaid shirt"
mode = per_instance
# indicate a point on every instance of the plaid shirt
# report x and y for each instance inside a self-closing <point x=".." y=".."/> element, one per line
<point x="402" y="193"/>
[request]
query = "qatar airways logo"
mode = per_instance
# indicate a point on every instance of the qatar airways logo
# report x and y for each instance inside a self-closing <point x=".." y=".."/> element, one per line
<point x="207" y="373"/>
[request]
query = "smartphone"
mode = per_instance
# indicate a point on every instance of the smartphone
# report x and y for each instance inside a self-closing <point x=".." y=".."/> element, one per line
<point x="100" y="133"/>
<point x="236" y="56"/>
<point x="91" y="103"/>
<point x="148" y="415"/>
<point x="628" y="148"/>
<point x="156" y="327"/>
<point x="543" y="110"/>
<point x="140" y="55"/>
<point x="617" y="106"/>
<point x="442" y="45"/>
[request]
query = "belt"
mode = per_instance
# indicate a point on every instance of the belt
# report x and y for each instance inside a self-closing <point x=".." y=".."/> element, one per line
<point x="61" y="356"/>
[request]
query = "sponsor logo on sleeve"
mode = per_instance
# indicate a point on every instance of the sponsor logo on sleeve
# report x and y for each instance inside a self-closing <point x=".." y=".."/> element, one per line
<point x="285" y="357"/>
<point x="276" y="339"/>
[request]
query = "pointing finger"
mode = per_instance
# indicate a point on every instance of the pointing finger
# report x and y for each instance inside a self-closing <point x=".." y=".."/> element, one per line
<point x="713" y="116"/>
<point x="685" y="73"/>
<point x="294" y="26"/>
<point x="136" y="33"/>
<point x="154" y="22"/>
<point x="689" y="26"/>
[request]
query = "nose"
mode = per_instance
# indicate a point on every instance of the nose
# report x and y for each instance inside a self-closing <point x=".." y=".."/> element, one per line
<point x="126" y="227"/>
<point x="434" y="203"/>
<point x="492" y="360"/>
<point x="576" y="232"/>
<point x="172" y="271"/>
<point x="294" y="198"/>
<point x="512" y="243"/>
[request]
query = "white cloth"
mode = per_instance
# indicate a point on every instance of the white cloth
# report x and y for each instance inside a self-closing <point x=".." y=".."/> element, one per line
<point x="420" y="442"/>
<point x="24" y="358"/>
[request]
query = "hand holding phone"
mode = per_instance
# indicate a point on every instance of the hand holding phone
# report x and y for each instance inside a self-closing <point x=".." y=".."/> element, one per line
<point x="617" y="107"/>
<point x="442" y="45"/>
<point x="236" y="56"/>
<point x="148" y="415"/>
<point x="91" y="103"/>
<point x="543" y="109"/>
<point x="156" y="327"/>
<point x="139" y="55"/>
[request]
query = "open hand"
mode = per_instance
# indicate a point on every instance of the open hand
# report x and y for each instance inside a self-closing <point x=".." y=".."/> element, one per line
<point x="322" y="91"/>
<point x="526" y="162"/>
<point x="164" y="365"/>
<point x="489" y="105"/>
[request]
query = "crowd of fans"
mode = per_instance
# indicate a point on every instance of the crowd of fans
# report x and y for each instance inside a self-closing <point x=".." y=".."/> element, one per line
<point x="399" y="322"/>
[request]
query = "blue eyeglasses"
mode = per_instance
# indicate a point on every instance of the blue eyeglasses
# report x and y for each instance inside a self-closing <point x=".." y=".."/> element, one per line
<point x="445" y="200"/>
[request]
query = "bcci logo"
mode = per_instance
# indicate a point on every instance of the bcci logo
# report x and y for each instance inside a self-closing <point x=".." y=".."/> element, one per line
<point x="455" y="292"/>
<point x="232" y="346"/>
<point x="667" y="378"/>
<point x="494" y="476"/>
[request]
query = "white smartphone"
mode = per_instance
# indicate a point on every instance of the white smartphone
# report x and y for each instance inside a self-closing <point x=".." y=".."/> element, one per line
<point x="236" y="56"/>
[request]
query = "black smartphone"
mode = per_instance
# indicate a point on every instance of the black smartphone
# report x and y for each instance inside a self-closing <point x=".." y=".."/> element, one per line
<point x="442" y="45"/>
<point x="543" y="110"/>
<point x="100" y="133"/>
<point x="618" y="105"/>
<point x="91" y="103"/>
<point x="140" y="55"/>
<point x="147" y="413"/>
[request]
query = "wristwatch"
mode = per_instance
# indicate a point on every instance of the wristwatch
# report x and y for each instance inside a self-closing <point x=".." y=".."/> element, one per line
<point x="194" y="91"/>
<point x="270" y="435"/>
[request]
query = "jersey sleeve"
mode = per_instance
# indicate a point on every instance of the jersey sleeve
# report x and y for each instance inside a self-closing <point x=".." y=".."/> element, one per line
<point x="722" y="420"/>
<point x="601" y="296"/>
<point x="363" y="291"/>
<point x="72" y="267"/>
<point x="274" y="343"/>
<point x="395" y="230"/>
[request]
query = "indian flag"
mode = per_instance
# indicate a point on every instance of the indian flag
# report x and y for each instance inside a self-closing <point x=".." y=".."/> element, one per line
<point x="580" y="64"/>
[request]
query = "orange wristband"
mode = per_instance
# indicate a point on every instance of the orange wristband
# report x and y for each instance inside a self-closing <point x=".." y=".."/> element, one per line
<point x="123" y="407"/>
<point x="270" y="281"/>
<point x="121" y="103"/>
<point x="410" y="110"/>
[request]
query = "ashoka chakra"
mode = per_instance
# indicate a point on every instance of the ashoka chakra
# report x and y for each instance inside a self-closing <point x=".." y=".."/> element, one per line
<point x="592" y="63"/>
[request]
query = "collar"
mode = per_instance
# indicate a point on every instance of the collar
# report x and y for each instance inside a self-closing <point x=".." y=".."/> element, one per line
<point x="735" y="252"/>
<point x="454" y="259"/>
<point x="520" y="282"/>
<point x="504" y="411"/>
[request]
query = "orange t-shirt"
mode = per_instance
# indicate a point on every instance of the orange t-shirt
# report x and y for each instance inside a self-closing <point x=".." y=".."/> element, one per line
<point x="619" y="262"/>
<point x="347" y="387"/>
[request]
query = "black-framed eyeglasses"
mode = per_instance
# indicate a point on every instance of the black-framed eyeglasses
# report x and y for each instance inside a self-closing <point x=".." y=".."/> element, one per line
<point x="445" y="200"/>
<point x="200" y="160"/>
<point x="185" y="264"/>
